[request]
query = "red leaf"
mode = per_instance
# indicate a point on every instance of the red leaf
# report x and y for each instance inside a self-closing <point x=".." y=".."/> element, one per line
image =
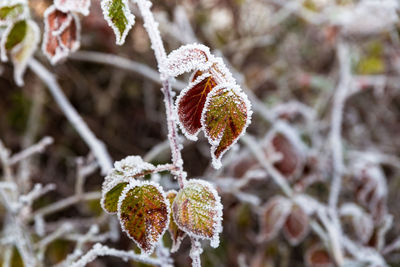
<point x="273" y="216"/>
<point x="291" y="157"/>
<point x="296" y="225"/>
<point x="190" y="104"/>
<point x="61" y="36"/>
<point x="317" y="256"/>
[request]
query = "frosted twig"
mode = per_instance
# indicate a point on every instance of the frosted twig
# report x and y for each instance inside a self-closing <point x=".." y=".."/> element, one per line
<point x="37" y="191"/>
<point x="195" y="252"/>
<point x="151" y="27"/>
<point x="97" y="147"/>
<point x="266" y="164"/>
<point x="100" y="250"/>
<point x="66" y="202"/>
<point x="37" y="148"/>
<point x="336" y="121"/>
<point x="122" y="63"/>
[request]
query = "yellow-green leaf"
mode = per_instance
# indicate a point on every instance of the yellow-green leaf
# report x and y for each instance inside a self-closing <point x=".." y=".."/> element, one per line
<point x="177" y="234"/>
<point x="124" y="171"/>
<point x="225" y="117"/>
<point x="118" y="17"/>
<point x="12" y="13"/>
<point x="197" y="210"/>
<point x="143" y="211"/>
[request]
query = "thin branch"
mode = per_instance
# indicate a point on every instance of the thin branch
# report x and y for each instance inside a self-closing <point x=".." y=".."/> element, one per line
<point x="100" y="250"/>
<point x="66" y="202"/>
<point x="37" y="148"/>
<point x="336" y="122"/>
<point x="96" y="146"/>
<point x="151" y="27"/>
<point x="122" y="63"/>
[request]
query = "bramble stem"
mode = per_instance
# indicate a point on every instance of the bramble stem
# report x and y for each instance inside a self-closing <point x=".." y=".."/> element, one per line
<point x="151" y="27"/>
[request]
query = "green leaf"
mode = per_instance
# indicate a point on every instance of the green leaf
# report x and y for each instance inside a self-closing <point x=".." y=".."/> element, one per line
<point x="143" y="211"/>
<point x="119" y="17"/>
<point x="12" y="13"/>
<point x="177" y="234"/>
<point x="197" y="210"/>
<point x="110" y="200"/>
<point x="16" y="34"/>
<point x="124" y="171"/>
<point x="21" y="40"/>
<point x="225" y="117"/>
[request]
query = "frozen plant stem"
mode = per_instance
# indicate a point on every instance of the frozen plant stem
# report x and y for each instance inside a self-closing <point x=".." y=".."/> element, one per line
<point x="96" y="146"/>
<point x="151" y="27"/>
<point x="336" y="122"/>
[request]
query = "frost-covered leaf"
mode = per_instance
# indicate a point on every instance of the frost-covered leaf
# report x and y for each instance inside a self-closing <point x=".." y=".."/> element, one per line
<point x="124" y="171"/>
<point x="144" y="211"/>
<point x="225" y="117"/>
<point x="318" y="256"/>
<point x="188" y="58"/>
<point x="273" y="216"/>
<point x="119" y="17"/>
<point x="292" y="159"/>
<point x="21" y="41"/>
<point x="13" y="36"/>
<point x="177" y="234"/>
<point x="110" y="200"/>
<point x="296" y="226"/>
<point x="80" y="6"/>
<point x="12" y="11"/>
<point x="190" y="104"/>
<point x="197" y="210"/>
<point x="362" y="222"/>
<point x="61" y="35"/>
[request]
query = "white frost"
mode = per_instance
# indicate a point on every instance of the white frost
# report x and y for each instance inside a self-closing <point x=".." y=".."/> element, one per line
<point x="153" y="241"/>
<point x="188" y="58"/>
<point x="80" y="6"/>
<point x="199" y="185"/>
<point x="130" y="18"/>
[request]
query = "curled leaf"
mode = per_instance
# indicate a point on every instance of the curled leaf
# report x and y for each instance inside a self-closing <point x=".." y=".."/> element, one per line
<point x="197" y="210"/>
<point x="273" y="216"/>
<point x="188" y="58"/>
<point x="13" y="36"/>
<point x="296" y="226"/>
<point x="12" y="11"/>
<point x="118" y="17"/>
<point x="177" y="234"/>
<point x="124" y="171"/>
<point x="61" y="35"/>
<point x="190" y="104"/>
<point x="225" y="117"/>
<point x="21" y="40"/>
<point x="80" y="6"/>
<point x="144" y="211"/>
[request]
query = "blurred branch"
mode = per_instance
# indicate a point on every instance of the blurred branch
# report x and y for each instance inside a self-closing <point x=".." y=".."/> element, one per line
<point x="98" y="148"/>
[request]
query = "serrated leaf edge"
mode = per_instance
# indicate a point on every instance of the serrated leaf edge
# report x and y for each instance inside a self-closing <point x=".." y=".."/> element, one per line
<point x="131" y="185"/>
<point x="64" y="51"/>
<point x="217" y="225"/>
<point x="216" y="162"/>
<point x="175" y="245"/>
<point x="119" y="36"/>
<point x="199" y="79"/>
